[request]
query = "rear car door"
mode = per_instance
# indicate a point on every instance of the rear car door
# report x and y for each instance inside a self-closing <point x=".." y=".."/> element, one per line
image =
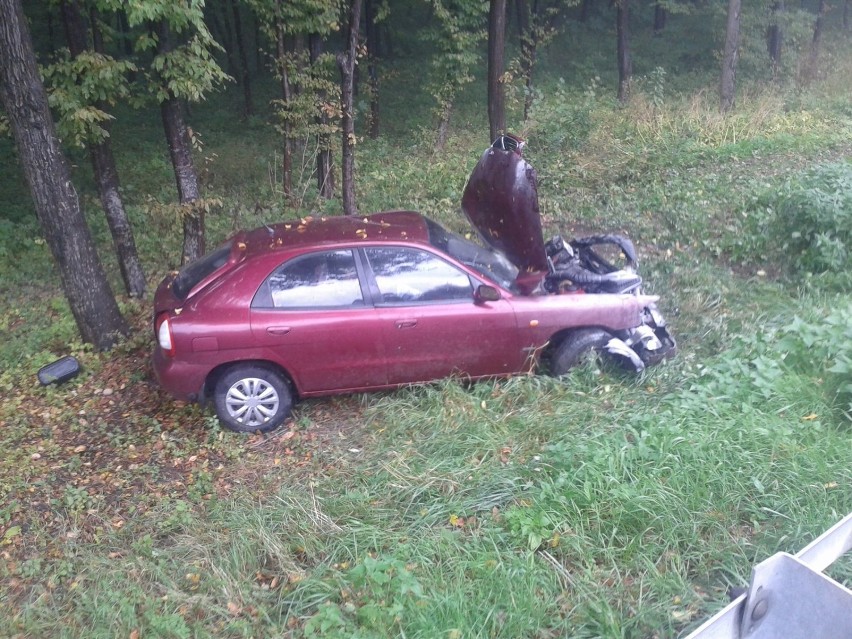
<point x="430" y="324"/>
<point x="312" y="314"/>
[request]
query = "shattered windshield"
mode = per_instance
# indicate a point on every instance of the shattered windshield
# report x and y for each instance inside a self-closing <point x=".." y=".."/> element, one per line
<point x="485" y="261"/>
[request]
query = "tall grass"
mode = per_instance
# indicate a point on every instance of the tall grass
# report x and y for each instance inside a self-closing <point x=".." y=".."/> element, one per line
<point x="589" y="506"/>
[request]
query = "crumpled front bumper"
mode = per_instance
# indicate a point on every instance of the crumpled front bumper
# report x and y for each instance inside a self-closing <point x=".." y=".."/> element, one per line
<point x="647" y="344"/>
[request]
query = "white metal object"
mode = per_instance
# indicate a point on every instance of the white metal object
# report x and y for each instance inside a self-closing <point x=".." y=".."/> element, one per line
<point x="789" y="596"/>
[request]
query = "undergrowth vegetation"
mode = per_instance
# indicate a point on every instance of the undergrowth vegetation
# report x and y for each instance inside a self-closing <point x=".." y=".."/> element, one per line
<point x="596" y="505"/>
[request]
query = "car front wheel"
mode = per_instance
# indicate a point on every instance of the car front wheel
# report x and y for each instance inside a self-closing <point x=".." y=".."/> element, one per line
<point x="578" y="347"/>
<point x="249" y="399"/>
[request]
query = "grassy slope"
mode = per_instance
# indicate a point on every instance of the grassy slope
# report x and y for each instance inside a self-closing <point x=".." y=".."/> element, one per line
<point x="594" y="506"/>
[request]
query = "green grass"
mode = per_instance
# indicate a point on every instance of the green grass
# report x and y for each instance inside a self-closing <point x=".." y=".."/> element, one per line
<point x="593" y="506"/>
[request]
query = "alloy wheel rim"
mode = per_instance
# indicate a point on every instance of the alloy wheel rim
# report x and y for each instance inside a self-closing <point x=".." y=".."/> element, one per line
<point x="252" y="401"/>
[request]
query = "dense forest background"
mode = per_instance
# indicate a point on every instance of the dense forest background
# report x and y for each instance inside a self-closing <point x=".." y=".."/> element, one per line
<point x="312" y="82"/>
<point x="716" y="135"/>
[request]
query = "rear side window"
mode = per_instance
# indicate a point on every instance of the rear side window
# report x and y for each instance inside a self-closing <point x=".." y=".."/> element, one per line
<point x="194" y="272"/>
<point x="319" y="280"/>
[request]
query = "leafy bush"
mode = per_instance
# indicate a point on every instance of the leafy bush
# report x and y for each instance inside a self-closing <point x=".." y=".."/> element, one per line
<point x="813" y="218"/>
<point x="824" y="346"/>
<point x="562" y="121"/>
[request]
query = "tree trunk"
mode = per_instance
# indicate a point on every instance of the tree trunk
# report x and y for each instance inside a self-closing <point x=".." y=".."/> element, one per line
<point x="126" y="40"/>
<point x="103" y="162"/>
<point x="325" y="177"/>
<point x="221" y="33"/>
<point x="774" y="36"/>
<point x="625" y="64"/>
<point x="73" y="25"/>
<point x="180" y="152"/>
<point x="106" y="174"/>
<point x="496" y="48"/>
<point x="727" y="80"/>
<point x="346" y="62"/>
<point x="245" y="78"/>
<point x="529" y="46"/>
<point x="816" y="42"/>
<point x="660" y="18"/>
<point x="287" y="97"/>
<point x="372" y="67"/>
<point x="585" y="10"/>
<point x="46" y="170"/>
<point x="444" y="125"/>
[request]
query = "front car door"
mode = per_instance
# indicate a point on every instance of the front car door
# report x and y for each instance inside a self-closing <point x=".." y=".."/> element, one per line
<point x="311" y="312"/>
<point x="432" y="327"/>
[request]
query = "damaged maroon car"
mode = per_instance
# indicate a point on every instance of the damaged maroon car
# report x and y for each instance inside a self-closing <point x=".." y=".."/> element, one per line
<point x="322" y="306"/>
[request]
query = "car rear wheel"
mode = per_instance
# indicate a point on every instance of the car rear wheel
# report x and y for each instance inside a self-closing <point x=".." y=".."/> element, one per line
<point x="577" y="347"/>
<point x="249" y="399"/>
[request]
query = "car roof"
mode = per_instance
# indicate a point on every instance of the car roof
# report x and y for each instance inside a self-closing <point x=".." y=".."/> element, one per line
<point x="388" y="226"/>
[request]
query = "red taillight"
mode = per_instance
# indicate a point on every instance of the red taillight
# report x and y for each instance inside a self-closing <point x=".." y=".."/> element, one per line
<point x="164" y="335"/>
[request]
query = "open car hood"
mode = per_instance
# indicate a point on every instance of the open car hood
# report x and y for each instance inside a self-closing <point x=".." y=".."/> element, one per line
<point x="501" y="202"/>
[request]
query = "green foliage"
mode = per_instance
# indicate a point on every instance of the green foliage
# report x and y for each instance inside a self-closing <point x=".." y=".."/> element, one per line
<point x="805" y="224"/>
<point x="562" y="120"/>
<point x="455" y="34"/>
<point x="187" y="71"/>
<point x="814" y="213"/>
<point x="377" y="591"/>
<point x="315" y="92"/>
<point x="78" y="89"/>
<point x="824" y="347"/>
<point x="311" y="16"/>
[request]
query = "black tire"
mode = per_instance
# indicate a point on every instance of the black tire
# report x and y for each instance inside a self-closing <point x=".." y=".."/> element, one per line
<point x="251" y="398"/>
<point x="577" y="347"/>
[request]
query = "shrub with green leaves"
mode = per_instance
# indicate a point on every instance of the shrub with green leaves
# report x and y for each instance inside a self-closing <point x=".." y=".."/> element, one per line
<point x="813" y="215"/>
<point x="824" y="346"/>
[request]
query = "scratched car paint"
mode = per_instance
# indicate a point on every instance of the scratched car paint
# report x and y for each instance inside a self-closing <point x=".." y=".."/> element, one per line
<point x="329" y="305"/>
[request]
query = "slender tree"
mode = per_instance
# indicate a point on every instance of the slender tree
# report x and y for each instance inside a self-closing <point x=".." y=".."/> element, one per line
<point x="455" y="32"/>
<point x="528" y="51"/>
<point x="84" y="86"/>
<point x="661" y="15"/>
<point x="245" y="76"/>
<point x="372" y="20"/>
<point x="625" y="62"/>
<point x="283" y="73"/>
<point x="496" y="52"/>
<point x="816" y="40"/>
<point x="727" y="80"/>
<point x="57" y="206"/>
<point x="536" y="21"/>
<point x="180" y="152"/>
<point x="775" y="36"/>
<point x="346" y="61"/>
<point x="325" y="176"/>
<point x="309" y="106"/>
<point x="183" y="68"/>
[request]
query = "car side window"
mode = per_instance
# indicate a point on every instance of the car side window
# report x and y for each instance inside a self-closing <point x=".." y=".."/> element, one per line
<point x="406" y="276"/>
<point x="319" y="280"/>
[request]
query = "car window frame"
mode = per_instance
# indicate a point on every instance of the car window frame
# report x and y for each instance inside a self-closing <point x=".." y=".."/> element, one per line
<point x="262" y="299"/>
<point x="376" y="293"/>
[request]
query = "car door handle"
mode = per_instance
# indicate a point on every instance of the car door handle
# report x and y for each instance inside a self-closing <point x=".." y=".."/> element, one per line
<point x="278" y="330"/>
<point x="408" y="323"/>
